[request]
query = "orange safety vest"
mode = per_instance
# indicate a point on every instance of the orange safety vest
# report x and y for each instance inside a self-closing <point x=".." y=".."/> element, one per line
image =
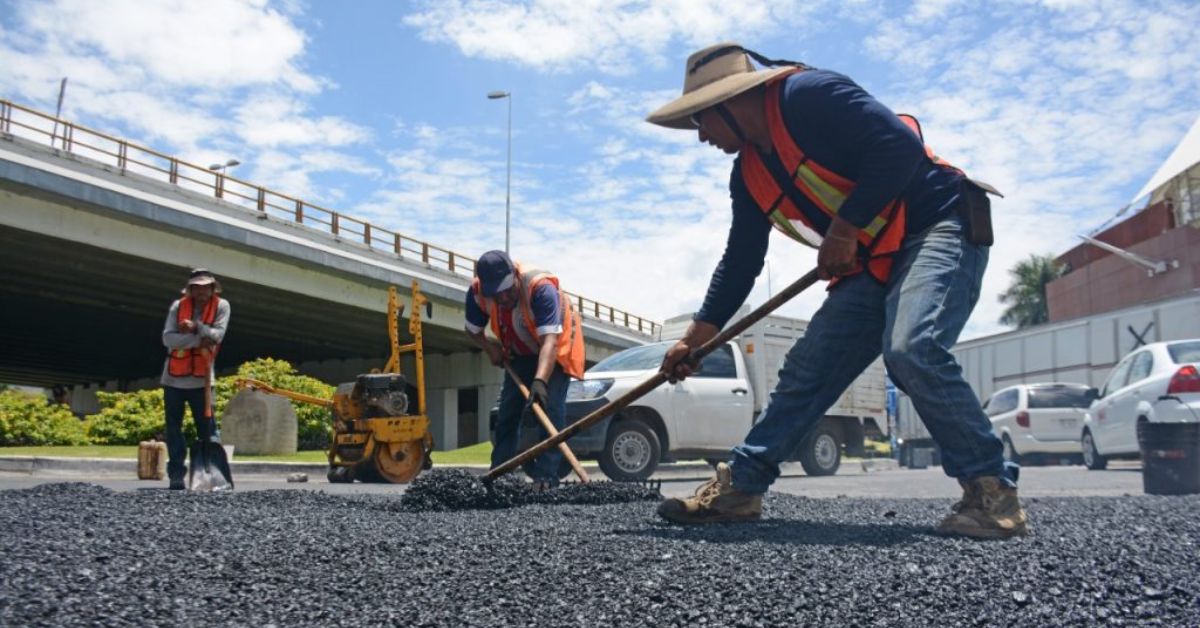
<point x="826" y="190"/>
<point x="569" y="351"/>
<point x="194" y="362"/>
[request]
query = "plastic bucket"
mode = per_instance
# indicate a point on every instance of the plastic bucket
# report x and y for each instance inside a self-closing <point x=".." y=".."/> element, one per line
<point x="1170" y="457"/>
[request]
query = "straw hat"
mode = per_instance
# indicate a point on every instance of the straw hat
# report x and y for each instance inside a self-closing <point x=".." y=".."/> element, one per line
<point x="713" y="75"/>
<point x="202" y="277"/>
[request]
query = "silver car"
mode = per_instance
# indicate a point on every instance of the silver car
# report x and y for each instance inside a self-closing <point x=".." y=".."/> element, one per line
<point x="1039" y="420"/>
<point x="1157" y="382"/>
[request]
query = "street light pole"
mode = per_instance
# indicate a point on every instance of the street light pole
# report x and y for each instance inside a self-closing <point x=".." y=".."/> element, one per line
<point x="225" y="166"/>
<point x="222" y="170"/>
<point x="508" y="168"/>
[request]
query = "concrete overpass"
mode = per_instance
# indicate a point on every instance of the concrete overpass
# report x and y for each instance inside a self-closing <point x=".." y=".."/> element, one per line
<point x="97" y="235"/>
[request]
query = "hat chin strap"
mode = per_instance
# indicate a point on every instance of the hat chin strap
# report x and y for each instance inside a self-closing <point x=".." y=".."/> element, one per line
<point x="730" y="122"/>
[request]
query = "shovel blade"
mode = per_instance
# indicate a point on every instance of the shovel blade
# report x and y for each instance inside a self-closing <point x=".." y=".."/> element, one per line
<point x="208" y="470"/>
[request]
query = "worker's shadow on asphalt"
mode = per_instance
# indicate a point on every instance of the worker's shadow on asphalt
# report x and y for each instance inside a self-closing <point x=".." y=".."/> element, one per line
<point x="788" y="532"/>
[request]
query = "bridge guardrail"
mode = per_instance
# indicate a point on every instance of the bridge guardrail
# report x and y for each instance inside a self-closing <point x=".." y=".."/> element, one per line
<point x="136" y="159"/>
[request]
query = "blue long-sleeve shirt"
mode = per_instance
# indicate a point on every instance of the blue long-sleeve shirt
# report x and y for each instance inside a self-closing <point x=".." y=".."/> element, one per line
<point x="840" y="126"/>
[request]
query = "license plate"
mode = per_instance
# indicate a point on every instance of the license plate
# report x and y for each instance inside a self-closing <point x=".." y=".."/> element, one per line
<point x="1066" y="422"/>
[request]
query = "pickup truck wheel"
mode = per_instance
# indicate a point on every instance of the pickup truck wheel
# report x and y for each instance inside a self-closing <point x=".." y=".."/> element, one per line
<point x="631" y="452"/>
<point x="821" y="452"/>
<point x="1091" y="458"/>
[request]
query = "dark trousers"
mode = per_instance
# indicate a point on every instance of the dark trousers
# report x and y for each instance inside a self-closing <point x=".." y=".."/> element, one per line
<point x="174" y="400"/>
<point x="510" y="414"/>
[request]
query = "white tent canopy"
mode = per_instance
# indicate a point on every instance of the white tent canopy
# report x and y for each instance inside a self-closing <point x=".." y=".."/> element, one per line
<point x="1185" y="155"/>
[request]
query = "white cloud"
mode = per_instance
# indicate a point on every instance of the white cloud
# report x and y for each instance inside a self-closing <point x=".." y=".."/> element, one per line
<point x="617" y="37"/>
<point x="273" y="120"/>
<point x="224" y="77"/>
<point x="217" y="44"/>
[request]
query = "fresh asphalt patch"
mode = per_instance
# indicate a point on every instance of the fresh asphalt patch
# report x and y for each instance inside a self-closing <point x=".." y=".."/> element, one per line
<point x="457" y="489"/>
<point x="75" y="554"/>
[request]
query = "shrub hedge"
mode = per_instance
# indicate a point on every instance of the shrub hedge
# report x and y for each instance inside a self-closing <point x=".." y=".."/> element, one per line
<point x="127" y="418"/>
<point x="30" y="419"/>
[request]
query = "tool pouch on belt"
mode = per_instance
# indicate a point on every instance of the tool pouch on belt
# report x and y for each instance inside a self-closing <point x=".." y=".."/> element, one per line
<point x="976" y="211"/>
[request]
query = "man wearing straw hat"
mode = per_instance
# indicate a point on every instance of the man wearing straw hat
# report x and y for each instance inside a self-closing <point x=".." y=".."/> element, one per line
<point x="903" y="238"/>
<point x="195" y="327"/>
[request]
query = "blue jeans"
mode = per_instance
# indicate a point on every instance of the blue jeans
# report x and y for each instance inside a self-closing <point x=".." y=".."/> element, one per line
<point x="174" y="401"/>
<point x="510" y="413"/>
<point x="913" y="320"/>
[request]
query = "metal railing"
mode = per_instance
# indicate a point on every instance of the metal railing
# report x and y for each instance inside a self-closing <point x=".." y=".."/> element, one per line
<point x="16" y="120"/>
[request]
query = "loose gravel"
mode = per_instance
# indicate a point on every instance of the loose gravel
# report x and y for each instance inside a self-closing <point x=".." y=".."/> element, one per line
<point x="77" y="554"/>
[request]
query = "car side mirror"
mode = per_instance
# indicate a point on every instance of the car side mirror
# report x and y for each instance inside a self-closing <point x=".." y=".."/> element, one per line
<point x="1093" y="394"/>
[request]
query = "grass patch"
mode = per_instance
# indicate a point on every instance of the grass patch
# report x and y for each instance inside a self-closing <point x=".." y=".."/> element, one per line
<point x="84" y="451"/>
<point x="480" y="453"/>
<point x="475" y="454"/>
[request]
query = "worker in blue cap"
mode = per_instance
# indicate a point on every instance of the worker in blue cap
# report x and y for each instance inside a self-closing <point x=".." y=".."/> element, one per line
<point x="535" y="330"/>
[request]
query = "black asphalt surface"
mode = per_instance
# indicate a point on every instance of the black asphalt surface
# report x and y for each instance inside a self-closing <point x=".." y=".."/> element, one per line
<point x="77" y="554"/>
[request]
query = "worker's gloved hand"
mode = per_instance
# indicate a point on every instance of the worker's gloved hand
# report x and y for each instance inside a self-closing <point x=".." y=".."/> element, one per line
<point x="539" y="392"/>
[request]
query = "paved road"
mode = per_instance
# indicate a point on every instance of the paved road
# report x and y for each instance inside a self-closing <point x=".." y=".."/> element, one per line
<point x="851" y="481"/>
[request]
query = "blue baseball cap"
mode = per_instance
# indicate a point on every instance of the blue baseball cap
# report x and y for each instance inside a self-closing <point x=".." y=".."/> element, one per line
<point x="495" y="271"/>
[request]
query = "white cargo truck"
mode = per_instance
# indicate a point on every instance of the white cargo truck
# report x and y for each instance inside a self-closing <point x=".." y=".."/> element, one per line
<point x="1077" y="351"/>
<point x="709" y="413"/>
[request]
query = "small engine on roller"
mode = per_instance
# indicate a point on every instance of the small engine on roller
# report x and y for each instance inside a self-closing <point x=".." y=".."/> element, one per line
<point x="375" y="437"/>
<point x="381" y="394"/>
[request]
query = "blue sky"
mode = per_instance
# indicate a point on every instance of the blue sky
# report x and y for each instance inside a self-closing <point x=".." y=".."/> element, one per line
<point x="379" y="109"/>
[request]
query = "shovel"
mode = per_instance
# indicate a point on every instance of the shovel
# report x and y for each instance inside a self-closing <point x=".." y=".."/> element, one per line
<point x="697" y="354"/>
<point x="547" y="425"/>
<point x="209" y="469"/>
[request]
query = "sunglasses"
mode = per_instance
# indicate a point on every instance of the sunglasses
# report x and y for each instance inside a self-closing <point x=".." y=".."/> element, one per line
<point x="695" y="118"/>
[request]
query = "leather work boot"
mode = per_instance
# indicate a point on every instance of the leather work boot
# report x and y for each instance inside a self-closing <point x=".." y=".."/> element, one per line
<point x="989" y="509"/>
<point x="970" y="498"/>
<point x="716" y="500"/>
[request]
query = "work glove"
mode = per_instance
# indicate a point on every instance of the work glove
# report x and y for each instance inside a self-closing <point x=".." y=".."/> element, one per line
<point x="539" y="392"/>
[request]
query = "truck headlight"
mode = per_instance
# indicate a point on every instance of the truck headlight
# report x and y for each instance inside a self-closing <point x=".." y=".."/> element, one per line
<point x="584" y="389"/>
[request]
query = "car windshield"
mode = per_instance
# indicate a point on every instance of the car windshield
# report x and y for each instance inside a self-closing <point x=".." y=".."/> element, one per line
<point x="1059" y="397"/>
<point x="635" y="359"/>
<point x="1184" y="352"/>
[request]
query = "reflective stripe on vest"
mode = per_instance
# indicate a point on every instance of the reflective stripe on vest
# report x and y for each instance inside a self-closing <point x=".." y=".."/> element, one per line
<point x="824" y="189"/>
<point x="569" y="349"/>
<point x="194" y="362"/>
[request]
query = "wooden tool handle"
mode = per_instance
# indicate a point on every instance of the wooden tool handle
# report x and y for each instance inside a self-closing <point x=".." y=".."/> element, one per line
<point x="658" y="378"/>
<point x="548" y="425"/>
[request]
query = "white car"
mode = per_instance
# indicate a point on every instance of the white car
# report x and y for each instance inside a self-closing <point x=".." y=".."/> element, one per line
<point x="1039" y="419"/>
<point x="1157" y="382"/>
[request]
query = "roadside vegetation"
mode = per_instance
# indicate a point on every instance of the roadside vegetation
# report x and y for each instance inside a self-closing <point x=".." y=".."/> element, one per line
<point x="29" y="419"/>
<point x="30" y="425"/>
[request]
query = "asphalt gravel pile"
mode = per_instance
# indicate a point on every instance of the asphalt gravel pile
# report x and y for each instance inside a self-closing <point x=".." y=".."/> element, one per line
<point x="75" y="554"/>
<point x="457" y="489"/>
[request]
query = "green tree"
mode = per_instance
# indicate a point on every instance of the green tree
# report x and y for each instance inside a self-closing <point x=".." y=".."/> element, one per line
<point x="1026" y="295"/>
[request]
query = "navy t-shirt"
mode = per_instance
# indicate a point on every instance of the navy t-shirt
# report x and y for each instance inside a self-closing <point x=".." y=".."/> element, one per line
<point x="515" y="337"/>
<point x="840" y="126"/>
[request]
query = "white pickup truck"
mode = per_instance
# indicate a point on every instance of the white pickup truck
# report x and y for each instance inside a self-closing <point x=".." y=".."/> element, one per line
<point x="709" y="413"/>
